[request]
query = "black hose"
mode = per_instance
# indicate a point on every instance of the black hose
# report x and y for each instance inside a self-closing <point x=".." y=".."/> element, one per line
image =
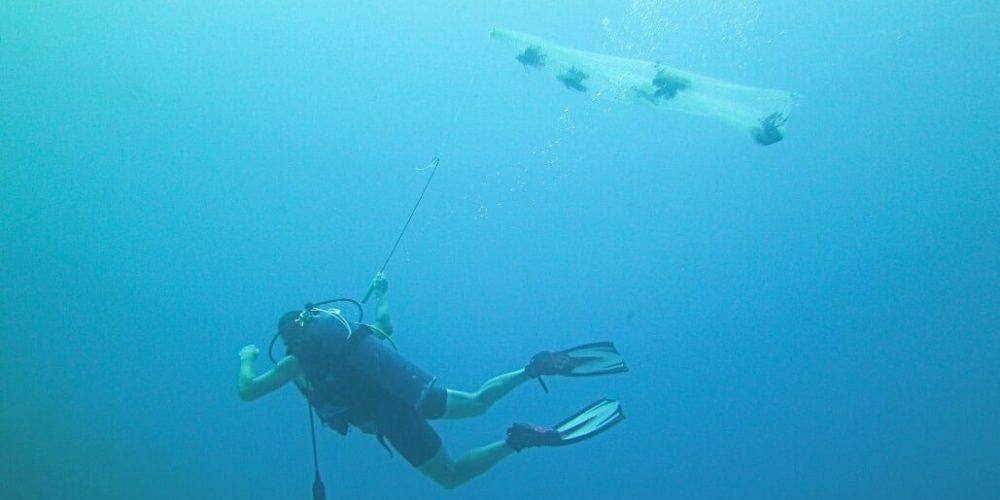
<point x="319" y="491"/>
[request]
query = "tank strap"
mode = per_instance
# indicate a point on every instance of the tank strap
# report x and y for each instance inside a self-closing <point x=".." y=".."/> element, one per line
<point x="381" y="440"/>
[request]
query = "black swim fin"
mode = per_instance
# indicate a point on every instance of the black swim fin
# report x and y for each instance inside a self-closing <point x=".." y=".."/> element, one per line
<point x="585" y="424"/>
<point x="591" y="421"/>
<point x="598" y="358"/>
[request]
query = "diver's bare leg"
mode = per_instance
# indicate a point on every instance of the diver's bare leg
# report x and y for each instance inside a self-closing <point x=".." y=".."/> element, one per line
<point x="464" y="404"/>
<point x="451" y="474"/>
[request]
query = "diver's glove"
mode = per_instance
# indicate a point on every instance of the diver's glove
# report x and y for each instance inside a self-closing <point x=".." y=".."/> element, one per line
<point x="379" y="285"/>
<point x="521" y="436"/>
<point x="549" y="363"/>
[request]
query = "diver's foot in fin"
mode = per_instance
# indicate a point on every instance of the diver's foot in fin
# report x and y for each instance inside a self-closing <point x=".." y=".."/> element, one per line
<point x="549" y="363"/>
<point x="587" y="423"/>
<point x="599" y="358"/>
<point x="521" y="436"/>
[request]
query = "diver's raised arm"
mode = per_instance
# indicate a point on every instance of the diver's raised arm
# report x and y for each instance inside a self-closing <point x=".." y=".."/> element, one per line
<point x="252" y="387"/>
<point x="382" y="319"/>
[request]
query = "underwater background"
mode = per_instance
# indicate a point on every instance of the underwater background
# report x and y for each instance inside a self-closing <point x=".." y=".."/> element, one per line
<point x="818" y="318"/>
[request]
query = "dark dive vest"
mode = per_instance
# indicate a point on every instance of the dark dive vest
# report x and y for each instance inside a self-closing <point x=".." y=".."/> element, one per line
<point x="351" y="373"/>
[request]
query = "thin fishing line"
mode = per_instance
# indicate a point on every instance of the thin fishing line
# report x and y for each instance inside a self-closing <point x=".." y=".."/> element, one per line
<point x="433" y="165"/>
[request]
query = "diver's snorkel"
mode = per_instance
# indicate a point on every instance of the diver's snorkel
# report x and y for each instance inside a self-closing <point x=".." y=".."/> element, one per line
<point x="307" y="316"/>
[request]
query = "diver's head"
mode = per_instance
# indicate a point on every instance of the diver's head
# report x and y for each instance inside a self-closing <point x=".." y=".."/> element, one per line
<point x="290" y="327"/>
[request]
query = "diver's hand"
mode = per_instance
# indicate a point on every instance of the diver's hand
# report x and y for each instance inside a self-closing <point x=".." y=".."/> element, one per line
<point x="379" y="285"/>
<point x="249" y="353"/>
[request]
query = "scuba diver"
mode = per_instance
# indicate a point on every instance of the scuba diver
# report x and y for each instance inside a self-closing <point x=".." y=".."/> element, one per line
<point x="351" y="377"/>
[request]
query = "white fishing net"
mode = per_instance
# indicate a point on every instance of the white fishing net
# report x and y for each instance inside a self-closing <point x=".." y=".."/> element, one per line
<point x="760" y="112"/>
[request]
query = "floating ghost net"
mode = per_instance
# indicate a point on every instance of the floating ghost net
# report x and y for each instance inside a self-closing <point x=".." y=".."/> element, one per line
<point x="760" y="112"/>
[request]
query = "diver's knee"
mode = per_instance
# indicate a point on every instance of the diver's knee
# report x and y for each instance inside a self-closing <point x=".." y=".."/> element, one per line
<point x="449" y="483"/>
<point x="465" y="405"/>
<point x="478" y="406"/>
<point x="446" y="477"/>
<point x="441" y="478"/>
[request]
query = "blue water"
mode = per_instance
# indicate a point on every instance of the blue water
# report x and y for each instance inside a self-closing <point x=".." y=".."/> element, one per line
<point x="819" y="318"/>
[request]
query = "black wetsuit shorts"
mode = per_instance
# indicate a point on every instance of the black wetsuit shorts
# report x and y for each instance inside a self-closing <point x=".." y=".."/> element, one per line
<point x="407" y="428"/>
